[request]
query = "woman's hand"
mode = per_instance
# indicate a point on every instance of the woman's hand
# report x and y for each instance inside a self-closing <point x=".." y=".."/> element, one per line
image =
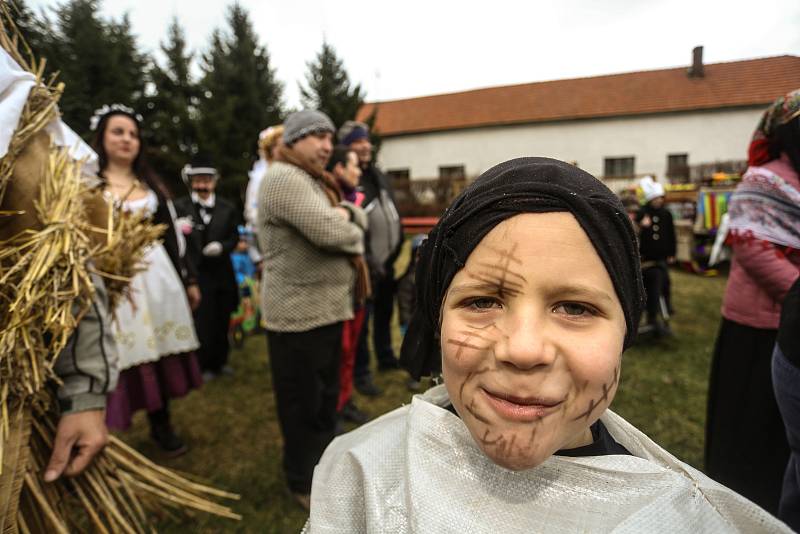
<point x="193" y="294"/>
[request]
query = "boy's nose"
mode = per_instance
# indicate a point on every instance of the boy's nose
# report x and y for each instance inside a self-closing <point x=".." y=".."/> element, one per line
<point x="525" y="345"/>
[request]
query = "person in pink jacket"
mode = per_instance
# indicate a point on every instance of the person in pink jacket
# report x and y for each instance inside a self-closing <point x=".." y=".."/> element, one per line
<point x="746" y="447"/>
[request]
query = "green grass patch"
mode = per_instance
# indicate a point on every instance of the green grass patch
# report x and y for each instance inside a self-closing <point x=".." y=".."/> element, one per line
<point x="235" y="442"/>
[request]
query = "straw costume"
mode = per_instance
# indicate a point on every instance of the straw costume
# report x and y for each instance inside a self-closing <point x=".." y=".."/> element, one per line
<point x="57" y="232"/>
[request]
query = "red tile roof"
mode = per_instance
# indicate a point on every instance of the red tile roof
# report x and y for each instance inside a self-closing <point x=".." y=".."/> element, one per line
<point x="737" y="83"/>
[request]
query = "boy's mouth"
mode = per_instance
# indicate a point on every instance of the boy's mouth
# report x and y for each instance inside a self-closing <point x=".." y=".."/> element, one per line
<point x="521" y="409"/>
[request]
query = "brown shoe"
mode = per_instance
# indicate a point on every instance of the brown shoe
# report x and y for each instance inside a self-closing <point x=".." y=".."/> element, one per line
<point x="304" y="500"/>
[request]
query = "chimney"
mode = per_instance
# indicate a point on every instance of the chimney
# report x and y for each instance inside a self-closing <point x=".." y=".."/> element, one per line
<point x="696" y="70"/>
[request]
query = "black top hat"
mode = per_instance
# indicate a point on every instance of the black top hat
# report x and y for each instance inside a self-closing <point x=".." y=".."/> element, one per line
<point x="200" y="165"/>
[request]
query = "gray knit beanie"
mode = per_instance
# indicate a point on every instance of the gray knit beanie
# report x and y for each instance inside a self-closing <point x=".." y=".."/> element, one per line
<point x="306" y="122"/>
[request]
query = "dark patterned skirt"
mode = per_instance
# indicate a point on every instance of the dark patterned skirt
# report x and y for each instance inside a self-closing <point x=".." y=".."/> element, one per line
<point x="149" y="386"/>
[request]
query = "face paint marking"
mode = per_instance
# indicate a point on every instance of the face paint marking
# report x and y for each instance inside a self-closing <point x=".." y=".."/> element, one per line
<point x="607" y="388"/>
<point x="471" y="409"/>
<point x="501" y="446"/>
<point x="533" y="436"/>
<point x="506" y="281"/>
<point x="504" y="269"/>
<point x="467" y="379"/>
<point x="493" y="341"/>
<point x="464" y="383"/>
<point x="486" y="440"/>
<point x="507" y="255"/>
<point x="508" y="445"/>
<point x="490" y="343"/>
<point x="462" y="344"/>
<point x="502" y="288"/>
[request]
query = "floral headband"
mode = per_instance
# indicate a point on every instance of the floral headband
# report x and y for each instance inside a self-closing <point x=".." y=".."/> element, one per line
<point x="99" y="113"/>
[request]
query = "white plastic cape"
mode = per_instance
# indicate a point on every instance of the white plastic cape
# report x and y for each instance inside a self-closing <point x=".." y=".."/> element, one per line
<point x="417" y="469"/>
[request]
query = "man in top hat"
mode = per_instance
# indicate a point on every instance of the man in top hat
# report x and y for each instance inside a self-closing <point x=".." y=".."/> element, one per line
<point x="210" y="224"/>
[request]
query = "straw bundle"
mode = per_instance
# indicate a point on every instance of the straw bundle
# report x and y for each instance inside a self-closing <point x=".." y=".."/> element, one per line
<point x="49" y="238"/>
<point x="116" y="492"/>
<point x="119" y="241"/>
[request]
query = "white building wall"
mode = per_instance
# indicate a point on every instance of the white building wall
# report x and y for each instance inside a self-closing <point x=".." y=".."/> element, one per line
<point x="705" y="136"/>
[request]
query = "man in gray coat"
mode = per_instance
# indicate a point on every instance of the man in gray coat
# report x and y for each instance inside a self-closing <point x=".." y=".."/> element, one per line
<point x="310" y="240"/>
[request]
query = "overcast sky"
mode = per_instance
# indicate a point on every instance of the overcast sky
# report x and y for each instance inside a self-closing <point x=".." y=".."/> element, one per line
<point x="409" y="48"/>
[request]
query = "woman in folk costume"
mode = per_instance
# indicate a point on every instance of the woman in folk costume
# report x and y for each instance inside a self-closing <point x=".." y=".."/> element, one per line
<point x="529" y="291"/>
<point x="154" y="329"/>
<point x="746" y="446"/>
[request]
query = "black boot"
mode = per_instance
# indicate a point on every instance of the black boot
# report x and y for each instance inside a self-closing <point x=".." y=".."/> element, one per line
<point x="162" y="433"/>
<point x="366" y="386"/>
<point x="350" y="412"/>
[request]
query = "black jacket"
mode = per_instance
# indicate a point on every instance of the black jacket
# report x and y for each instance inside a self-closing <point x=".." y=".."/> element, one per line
<point x="788" y="338"/>
<point x="163" y="215"/>
<point x="223" y="227"/>
<point x="657" y="236"/>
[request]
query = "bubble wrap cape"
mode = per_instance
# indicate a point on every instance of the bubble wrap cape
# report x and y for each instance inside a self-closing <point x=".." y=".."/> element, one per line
<point x="417" y="469"/>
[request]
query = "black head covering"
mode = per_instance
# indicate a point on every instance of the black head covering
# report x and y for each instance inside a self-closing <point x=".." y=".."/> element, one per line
<point x="523" y="185"/>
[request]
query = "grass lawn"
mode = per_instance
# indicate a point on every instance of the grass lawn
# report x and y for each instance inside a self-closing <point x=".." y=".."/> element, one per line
<point x="232" y="429"/>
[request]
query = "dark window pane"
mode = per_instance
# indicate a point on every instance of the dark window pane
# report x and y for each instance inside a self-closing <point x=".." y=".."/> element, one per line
<point x="402" y="174"/>
<point x="618" y="167"/>
<point x="678" y="167"/>
<point x="452" y="172"/>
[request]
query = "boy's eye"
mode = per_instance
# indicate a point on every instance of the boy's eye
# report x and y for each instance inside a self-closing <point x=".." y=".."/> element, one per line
<point x="574" y="309"/>
<point x="482" y="303"/>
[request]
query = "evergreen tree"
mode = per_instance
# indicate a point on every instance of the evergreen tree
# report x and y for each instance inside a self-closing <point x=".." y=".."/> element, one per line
<point x="329" y="89"/>
<point x="374" y="135"/>
<point x="241" y="97"/>
<point x="170" y="112"/>
<point x="97" y="60"/>
<point x="33" y="28"/>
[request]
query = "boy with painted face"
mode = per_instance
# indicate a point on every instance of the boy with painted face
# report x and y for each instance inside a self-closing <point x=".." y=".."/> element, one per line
<point x="529" y="291"/>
